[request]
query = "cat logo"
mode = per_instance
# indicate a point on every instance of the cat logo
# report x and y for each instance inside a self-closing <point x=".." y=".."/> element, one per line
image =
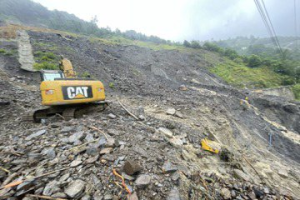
<point x="77" y="92"/>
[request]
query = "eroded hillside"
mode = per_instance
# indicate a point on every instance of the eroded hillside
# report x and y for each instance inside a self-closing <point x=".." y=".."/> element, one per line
<point x="177" y="103"/>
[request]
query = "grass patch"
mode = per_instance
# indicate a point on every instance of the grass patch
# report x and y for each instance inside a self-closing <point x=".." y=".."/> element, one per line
<point x="69" y="49"/>
<point x="48" y="46"/>
<point x="117" y="40"/>
<point x="46" y="60"/>
<point x="8" y="53"/>
<point x="41" y="56"/>
<point x="296" y="91"/>
<point x="244" y="77"/>
<point x="46" y="66"/>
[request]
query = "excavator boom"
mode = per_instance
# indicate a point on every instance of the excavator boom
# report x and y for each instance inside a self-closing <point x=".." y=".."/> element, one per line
<point x="67" y="68"/>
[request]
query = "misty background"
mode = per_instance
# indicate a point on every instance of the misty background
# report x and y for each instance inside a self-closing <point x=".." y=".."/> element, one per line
<point x="180" y="20"/>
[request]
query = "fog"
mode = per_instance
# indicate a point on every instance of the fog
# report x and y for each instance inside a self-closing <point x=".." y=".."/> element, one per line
<point x="178" y="20"/>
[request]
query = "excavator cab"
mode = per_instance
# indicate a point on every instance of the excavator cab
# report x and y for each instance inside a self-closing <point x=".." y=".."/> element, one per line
<point x="51" y="75"/>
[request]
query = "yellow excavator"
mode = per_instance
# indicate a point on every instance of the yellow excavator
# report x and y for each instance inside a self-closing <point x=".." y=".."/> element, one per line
<point x="65" y="94"/>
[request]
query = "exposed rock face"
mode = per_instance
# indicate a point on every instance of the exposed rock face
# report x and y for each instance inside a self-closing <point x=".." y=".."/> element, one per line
<point x="283" y="92"/>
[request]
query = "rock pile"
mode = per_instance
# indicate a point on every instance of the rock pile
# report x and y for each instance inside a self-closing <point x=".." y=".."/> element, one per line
<point x="104" y="159"/>
<point x="155" y="155"/>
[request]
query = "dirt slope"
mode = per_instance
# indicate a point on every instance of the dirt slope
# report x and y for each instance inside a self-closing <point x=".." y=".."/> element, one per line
<point x="173" y="165"/>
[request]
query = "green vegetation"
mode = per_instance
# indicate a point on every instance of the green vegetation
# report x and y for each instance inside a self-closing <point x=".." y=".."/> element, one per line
<point x="111" y="85"/>
<point x="296" y="90"/>
<point x="254" y="61"/>
<point x="114" y="40"/>
<point x="86" y="74"/>
<point x="46" y="66"/>
<point x="266" y="67"/>
<point x="46" y="60"/>
<point x="244" y="77"/>
<point x="7" y="53"/>
<point x="45" y="56"/>
<point x="29" y="12"/>
<point x="246" y="62"/>
<point x="48" y="46"/>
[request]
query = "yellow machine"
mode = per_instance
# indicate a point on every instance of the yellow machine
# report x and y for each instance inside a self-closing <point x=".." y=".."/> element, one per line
<point x="205" y="143"/>
<point x="68" y="95"/>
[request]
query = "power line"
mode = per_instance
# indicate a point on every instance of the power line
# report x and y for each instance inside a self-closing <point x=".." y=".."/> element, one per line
<point x="295" y="15"/>
<point x="259" y="8"/>
<point x="268" y="23"/>
<point x="272" y="27"/>
<point x="295" y="21"/>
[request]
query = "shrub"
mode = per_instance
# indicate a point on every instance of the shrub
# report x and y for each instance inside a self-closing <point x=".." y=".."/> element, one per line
<point x="2" y="51"/>
<point x="50" y="55"/>
<point x="38" y="53"/>
<point x="288" y="81"/>
<point x="86" y="74"/>
<point x="45" y="56"/>
<point x="186" y="44"/>
<point x="296" y="91"/>
<point x="111" y="85"/>
<point x="212" y="47"/>
<point x="254" y="61"/>
<point x="232" y="54"/>
<point x="238" y="60"/>
<point x="195" y="44"/>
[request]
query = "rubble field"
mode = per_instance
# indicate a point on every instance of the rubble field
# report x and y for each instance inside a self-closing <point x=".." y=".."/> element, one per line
<point x="154" y="150"/>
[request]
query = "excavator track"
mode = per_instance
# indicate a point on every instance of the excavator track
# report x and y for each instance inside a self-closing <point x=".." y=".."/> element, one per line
<point x="67" y="112"/>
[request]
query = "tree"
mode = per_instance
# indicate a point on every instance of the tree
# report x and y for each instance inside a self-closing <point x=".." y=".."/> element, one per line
<point x="232" y="54"/>
<point x="118" y="32"/>
<point x="94" y="20"/>
<point x="195" y="44"/>
<point x="212" y="47"/>
<point x="186" y="43"/>
<point x="254" y="61"/>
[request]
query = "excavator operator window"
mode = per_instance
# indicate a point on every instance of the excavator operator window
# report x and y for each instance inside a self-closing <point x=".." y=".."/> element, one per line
<point x="51" y="75"/>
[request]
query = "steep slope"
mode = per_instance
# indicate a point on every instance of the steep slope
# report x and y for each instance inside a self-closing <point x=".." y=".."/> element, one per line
<point x="261" y="139"/>
<point x="27" y="12"/>
<point x="30" y="13"/>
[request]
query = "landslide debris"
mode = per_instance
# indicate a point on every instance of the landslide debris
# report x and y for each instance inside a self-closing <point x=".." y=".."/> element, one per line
<point x="112" y="155"/>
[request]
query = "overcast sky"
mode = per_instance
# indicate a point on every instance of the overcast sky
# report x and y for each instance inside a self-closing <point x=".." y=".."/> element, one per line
<point x="184" y="19"/>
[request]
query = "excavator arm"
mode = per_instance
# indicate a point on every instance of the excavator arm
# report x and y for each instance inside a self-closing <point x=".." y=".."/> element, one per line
<point x="67" y="68"/>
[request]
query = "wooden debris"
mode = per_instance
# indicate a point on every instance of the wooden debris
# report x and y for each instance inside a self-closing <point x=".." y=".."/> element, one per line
<point x="132" y="115"/>
<point x="3" y="169"/>
<point x="96" y="129"/>
<point x="18" y="182"/>
<point x="44" y="197"/>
